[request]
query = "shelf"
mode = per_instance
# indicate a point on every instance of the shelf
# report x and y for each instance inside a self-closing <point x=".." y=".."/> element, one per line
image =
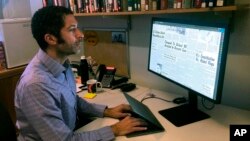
<point x="168" y="11"/>
<point x="11" y="72"/>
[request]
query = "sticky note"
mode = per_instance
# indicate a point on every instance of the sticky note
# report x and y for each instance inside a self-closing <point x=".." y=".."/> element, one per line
<point x="89" y="95"/>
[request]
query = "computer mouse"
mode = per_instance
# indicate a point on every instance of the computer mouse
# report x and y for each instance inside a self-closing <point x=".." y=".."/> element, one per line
<point x="180" y="100"/>
<point x="128" y="87"/>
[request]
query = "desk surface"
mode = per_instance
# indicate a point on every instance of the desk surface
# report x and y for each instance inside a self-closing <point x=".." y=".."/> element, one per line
<point x="215" y="128"/>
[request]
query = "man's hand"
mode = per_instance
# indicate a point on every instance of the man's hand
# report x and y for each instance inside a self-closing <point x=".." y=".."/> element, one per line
<point x="120" y="111"/>
<point x="128" y="125"/>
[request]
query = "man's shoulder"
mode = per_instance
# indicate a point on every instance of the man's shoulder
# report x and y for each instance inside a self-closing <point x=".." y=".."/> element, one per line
<point x="35" y="74"/>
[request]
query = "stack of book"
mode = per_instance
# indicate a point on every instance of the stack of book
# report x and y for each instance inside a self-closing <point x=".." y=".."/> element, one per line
<point x="87" y="6"/>
<point x="2" y="57"/>
<point x="93" y="6"/>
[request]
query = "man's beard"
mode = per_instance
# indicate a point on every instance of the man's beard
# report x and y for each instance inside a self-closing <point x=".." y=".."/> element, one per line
<point x="60" y="40"/>
<point x="76" y="47"/>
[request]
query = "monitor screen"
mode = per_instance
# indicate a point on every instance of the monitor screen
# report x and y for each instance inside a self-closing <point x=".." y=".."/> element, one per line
<point x="191" y="54"/>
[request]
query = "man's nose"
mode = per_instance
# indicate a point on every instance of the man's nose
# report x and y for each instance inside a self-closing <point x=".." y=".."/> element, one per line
<point x="80" y="35"/>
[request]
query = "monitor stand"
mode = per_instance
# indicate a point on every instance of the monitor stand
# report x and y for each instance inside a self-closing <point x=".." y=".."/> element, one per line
<point x="186" y="113"/>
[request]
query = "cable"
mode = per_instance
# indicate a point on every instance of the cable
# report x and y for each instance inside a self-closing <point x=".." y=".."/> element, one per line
<point x="151" y="95"/>
<point x="203" y="100"/>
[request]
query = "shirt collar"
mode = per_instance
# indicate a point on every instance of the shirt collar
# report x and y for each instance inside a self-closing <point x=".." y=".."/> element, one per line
<point x="52" y="65"/>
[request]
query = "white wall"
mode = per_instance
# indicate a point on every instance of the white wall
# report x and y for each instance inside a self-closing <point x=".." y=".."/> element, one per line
<point x="1" y="11"/>
<point x="237" y="78"/>
<point x="34" y="5"/>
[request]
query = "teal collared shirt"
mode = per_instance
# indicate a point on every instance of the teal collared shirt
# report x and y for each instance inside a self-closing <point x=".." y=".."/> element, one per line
<point x="46" y="103"/>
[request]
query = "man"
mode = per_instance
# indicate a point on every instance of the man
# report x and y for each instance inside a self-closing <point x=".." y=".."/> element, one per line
<point x="47" y="106"/>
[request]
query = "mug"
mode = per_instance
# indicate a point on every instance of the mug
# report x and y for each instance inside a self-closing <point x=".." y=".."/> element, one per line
<point x="94" y="86"/>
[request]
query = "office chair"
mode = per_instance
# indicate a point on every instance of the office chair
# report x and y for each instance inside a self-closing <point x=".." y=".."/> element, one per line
<point x="7" y="128"/>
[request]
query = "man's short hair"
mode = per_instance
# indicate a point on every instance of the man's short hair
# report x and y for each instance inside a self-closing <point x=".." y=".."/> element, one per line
<point x="48" y="20"/>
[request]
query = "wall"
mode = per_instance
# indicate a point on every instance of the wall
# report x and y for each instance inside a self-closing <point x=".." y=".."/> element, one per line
<point x="34" y="5"/>
<point x="237" y="78"/>
<point x="1" y="11"/>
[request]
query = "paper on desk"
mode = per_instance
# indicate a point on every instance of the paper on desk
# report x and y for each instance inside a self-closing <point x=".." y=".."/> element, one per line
<point x="78" y="85"/>
<point x="89" y="95"/>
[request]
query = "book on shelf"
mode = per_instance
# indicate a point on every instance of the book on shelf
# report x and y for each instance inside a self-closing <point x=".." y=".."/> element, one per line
<point x="154" y="4"/>
<point x="229" y="2"/>
<point x="163" y="4"/>
<point x="130" y="5"/>
<point x="225" y="2"/>
<point x="211" y="3"/>
<point x="158" y="4"/>
<point x="178" y="3"/>
<point x="146" y="5"/>
<point x="49" y="2"/>
<point x="124" y="6"/>
<point x="197" y="3"/>
<point x="80" y="6"/>
<point x="143" y="5"/>
<point x="170" y="4"/>
<point x="204" y="3"/>
<point x="101" y="6"/>
<point x="186" y="3"/>
<point x="44" y="3"/>
<point x="119" y="5"/>
<point x="137" y="5"/>
<point x="65" y="3"/>
<point x="94" y="6"/>
<point x="220" y="3"/>
<point x="2" y="57"/>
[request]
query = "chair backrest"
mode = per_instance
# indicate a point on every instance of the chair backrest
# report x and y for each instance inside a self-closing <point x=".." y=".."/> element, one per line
<point x="7" y="128"/>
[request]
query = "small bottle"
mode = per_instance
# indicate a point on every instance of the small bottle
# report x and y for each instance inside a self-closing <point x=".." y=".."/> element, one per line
<point x="84" y="70"/>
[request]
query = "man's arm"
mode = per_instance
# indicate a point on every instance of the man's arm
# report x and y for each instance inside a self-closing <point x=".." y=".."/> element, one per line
<point x="92" y="109"/>
<point x="126" y="125"/>
<point x="44" y="115"/>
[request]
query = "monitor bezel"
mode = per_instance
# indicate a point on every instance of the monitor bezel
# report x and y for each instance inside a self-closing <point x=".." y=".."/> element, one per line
<point x="221" y="73"/>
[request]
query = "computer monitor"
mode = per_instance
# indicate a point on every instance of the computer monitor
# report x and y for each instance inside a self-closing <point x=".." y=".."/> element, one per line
<point x="191" y="54"/>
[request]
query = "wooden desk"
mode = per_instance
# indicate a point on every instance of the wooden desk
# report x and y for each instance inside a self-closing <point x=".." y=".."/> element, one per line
<point x="215" y="128"/>
<point x="8" y="81"/>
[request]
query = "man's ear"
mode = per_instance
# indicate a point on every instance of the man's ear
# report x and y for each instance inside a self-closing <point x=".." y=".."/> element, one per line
<point x="50" y="39"/>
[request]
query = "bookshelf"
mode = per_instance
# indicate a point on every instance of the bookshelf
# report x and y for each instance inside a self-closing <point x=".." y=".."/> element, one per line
<point x="167" y="11"/>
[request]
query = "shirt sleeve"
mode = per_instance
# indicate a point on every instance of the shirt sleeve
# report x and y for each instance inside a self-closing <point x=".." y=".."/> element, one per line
<point x="43" y="112"/>
<point x="91" y="109"/>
